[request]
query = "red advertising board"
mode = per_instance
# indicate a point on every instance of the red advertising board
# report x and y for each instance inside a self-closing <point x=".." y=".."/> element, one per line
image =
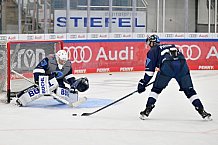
<point x="200" y="55"/>
<point x="111" y="56"/>
<point x="91" y="57"/>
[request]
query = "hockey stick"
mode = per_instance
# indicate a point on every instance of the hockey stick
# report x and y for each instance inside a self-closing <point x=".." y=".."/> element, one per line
<point x="60" y="98"/>
<point x="88" y="114"/>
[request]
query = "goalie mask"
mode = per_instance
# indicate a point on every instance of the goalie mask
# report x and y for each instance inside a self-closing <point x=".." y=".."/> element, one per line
<point x="81" y="84"/>
<point x="61" y="57"/>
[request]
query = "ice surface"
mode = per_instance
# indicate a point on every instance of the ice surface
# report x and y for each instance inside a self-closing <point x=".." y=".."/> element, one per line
<point x="173" y="121"/>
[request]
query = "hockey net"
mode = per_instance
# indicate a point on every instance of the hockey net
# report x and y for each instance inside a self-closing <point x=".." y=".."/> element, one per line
<point x="21" y="57"/>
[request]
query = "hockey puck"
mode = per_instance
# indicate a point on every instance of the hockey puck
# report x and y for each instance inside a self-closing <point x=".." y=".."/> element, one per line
<point x="74" y="114"/>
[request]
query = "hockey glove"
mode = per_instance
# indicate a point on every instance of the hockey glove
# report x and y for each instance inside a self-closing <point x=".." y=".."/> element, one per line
<point x="141" y="86"/>
<point x="81" y="84"/>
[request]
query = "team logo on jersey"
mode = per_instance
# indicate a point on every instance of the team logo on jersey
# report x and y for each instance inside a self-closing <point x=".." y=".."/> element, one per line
<point x="148" y="61"/>
<point x="58" y="74"/>
<point x="44" y="62"/>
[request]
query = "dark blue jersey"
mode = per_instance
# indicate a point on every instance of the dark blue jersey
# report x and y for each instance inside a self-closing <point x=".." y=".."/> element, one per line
<point x="156" y="57"/>
<point x="49" y="66"/>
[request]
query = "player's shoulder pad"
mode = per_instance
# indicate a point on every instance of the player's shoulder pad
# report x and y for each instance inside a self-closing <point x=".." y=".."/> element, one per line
<point x="44" y="62"/>
<point x="163" y="46"/>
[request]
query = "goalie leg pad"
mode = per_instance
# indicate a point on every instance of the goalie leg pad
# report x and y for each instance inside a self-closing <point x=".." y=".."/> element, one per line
<point x="44" y="85"/>
<point x="53" y="84"/>
<point x="65" y="94"/>
<point x="28" y="97"/>
<point x="73" y="95"/>
<point x="34" y="93"/>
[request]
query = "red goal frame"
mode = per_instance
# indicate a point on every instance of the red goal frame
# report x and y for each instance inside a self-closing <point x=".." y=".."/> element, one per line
<point x="8" y="45"/>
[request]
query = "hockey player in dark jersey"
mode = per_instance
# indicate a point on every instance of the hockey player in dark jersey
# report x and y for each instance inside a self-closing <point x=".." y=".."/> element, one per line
<point x="171" y="63"/>
<point x="59" y="71"/>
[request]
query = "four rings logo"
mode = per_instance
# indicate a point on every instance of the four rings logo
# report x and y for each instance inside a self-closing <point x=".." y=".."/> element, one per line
<point x="83" y="54"/>
<point x="79" y="54"/>
<point x="191" y="52"/>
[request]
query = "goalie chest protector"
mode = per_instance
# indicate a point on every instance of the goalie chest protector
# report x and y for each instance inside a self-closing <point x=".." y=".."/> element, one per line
<point x="53" y="66"/>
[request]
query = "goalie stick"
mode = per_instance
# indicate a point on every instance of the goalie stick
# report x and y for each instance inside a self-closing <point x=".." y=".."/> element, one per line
<point x="88" y="114"/>
<point x="80" y="101"/>
<point x="60" y="98"/>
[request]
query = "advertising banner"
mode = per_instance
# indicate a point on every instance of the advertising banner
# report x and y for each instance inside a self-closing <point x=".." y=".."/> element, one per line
<point x="103" y="56"/>
<point x="121" y="21"/>
<point x="200" y="55"/>
<point x="118" y="55"/>
<point x="91" y="57"/>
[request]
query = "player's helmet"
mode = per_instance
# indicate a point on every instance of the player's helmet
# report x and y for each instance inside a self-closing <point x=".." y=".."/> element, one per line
<point x="82" y="84"/>
<point x="153" y="38"/>
<point x="62" y="56"/>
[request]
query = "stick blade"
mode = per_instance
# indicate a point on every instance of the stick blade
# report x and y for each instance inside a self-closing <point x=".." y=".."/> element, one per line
<point x="86" y="114"/>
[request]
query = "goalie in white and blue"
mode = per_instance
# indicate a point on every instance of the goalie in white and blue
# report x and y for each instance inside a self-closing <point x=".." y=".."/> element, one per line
<point x="58" y="70"/>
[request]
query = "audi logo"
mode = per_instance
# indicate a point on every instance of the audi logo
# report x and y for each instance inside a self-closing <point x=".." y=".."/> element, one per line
<point x="191" y="52"/>
<point x="79" y="54"/>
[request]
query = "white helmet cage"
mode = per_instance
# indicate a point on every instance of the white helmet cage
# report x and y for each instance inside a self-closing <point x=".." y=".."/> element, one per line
<point x="62" y="55"/>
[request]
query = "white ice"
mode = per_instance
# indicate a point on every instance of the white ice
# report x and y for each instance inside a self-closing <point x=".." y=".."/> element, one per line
<point x="173" y="121"/>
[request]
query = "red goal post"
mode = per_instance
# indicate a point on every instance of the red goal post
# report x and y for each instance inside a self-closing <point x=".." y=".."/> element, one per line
<point x="22" y="57"/>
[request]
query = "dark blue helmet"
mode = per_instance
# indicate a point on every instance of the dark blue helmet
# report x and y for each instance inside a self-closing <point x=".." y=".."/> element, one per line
<point x="153" y="38"/>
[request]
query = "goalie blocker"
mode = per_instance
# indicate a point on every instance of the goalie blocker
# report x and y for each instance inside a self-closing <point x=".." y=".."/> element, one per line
<point x="50" y="87"/>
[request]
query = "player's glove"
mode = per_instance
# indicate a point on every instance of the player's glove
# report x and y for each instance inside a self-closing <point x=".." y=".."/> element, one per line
<point x="141" y="86"/>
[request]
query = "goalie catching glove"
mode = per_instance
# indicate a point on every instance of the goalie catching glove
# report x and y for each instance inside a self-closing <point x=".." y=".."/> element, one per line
<point x="81" y="84"/>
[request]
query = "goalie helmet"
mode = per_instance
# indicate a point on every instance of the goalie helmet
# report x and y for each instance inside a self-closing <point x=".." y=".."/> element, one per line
<point x="61" y="57"/>
<point x="81" y="84"/>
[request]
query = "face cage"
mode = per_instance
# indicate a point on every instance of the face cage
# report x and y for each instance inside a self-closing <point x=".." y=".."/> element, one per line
<point x="60" y="61"/>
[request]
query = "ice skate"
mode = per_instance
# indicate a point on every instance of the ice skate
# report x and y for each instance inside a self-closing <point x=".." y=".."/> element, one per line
<point x="18" y="103"/>
<point x="144" y="114"/>
<point x="204" y="114"/>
